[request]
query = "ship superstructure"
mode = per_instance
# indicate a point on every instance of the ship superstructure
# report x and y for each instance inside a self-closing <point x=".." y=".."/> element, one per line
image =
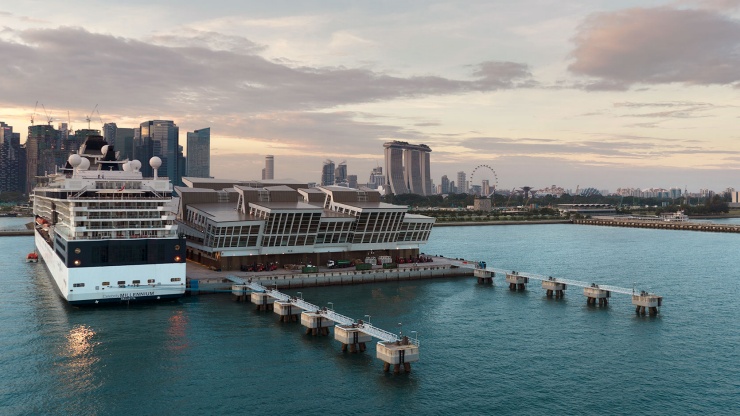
<point x="106" y="233"/>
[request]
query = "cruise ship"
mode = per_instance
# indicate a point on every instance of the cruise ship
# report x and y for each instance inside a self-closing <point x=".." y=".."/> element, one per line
<point x="106" y="233"/>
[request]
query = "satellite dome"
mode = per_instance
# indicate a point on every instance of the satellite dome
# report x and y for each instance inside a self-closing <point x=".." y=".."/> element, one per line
<point x="155" y="162"/>
<point x="74" y="160"/>
<point x="135" y="165"/>
<point x="127" y="167"/>
<point x="84" y="164"/>
<point x="104" y="150"/>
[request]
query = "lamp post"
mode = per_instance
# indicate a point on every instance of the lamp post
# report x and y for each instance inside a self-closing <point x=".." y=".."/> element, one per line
<point x="331" y="308"/>
<point x="300" y="294"/>
<point x="368" y="319"/>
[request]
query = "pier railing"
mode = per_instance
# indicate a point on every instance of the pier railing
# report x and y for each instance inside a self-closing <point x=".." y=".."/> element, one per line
<point x="540" y="277"/>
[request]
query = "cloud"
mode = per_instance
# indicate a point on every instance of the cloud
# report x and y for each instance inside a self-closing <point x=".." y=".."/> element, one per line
<point x="657" y="46"/>
<point x="203" y="72"/>
<point x="497" y="75"/>
<point x="623" y="148"/>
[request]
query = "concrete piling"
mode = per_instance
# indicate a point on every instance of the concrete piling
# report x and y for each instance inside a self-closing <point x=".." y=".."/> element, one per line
<point x="263" y="301"/>
<point x="351" y="336"/>
<point x="646" y="301"/>
<point x="594" y="294"/>
<point x="400" y="354"/>
<point x="484" y="276"/>
<point x="516" y="282"/>
<point x="316" y="323"/>
<point x="553" y="287"/>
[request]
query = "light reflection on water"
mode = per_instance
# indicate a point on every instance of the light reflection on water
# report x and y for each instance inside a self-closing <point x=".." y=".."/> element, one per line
<point x="177" y="332"/>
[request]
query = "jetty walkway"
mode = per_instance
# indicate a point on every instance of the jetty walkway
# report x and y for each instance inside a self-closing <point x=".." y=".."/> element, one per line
<point x="595" y="293"/>
<point x="397" y="350"/>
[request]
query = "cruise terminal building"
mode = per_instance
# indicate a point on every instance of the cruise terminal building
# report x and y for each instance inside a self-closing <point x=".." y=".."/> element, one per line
<point x="232" y="224"/>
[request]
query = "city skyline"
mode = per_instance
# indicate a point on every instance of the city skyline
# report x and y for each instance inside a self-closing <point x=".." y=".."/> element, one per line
<point x="629" y="94"/>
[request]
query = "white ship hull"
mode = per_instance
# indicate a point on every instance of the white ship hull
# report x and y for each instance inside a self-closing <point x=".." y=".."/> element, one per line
<point x="84" y="285"/>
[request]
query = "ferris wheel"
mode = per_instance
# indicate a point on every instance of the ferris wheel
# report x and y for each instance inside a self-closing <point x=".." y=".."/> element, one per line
<point x="485" y="172"/>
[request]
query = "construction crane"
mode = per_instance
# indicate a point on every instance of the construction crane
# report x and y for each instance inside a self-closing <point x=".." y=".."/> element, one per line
<point x="511" y="194"/>
<point x="34" y="111"/>
<point x="48" y="117"/>
<point x="100" y="118"/>
<point x="88" y="118"/>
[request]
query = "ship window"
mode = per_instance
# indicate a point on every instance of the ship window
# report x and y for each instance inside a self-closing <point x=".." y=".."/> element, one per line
<point x="150" y="281"/>
<point x="175" y="279"/>
<point x="121" y="282"/>
<point x="106" y="283"/>
<point x="136" y="282"/>
<point x="78" y="285"/>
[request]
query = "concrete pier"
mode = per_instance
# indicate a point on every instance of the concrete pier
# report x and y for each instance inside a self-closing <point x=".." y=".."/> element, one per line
<point x="263" y="301"/>
<point x="647" y="301"/>
<point x="593" y="293"/>
<point x="287" y="311"/>
<point x="484" y="276"/>
<point x="240" y="293"/>
<point x="316" y="323"/>
<point x="516" y="282"/>
<point x="553" y="287"/>
<point x="351" y="337"/>
<point x="399" y="354"/>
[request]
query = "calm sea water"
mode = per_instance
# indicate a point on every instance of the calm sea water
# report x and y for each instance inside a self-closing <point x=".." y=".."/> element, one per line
<point x="485" y="350"/>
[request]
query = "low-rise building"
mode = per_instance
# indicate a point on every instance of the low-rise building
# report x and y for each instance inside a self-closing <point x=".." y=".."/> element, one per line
<point x="249" y="223"/>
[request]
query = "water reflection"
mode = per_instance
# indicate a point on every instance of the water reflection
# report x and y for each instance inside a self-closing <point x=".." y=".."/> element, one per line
<point x="80" y="341"/>
<point x="177" y="333"/>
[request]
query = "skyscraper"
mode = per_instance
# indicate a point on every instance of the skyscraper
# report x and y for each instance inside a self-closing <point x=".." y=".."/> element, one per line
<point x="11" y="160"/>
<point x="164" y="135"/>
<point x="269" y="171"/>
<point x="376" y="178"/>
<point x="41" y="142"/>
<point x="408" y="168"/>
<point x="462" y="184"/>
<point x="445" y="187"/>
<point x="352" y="181"/>
<point x="340" y="173"/>
<point x="327" y="173"/>
<point x="124" y="143"/>
<point x="199" y="153"/>
<point x="109" y="132"/>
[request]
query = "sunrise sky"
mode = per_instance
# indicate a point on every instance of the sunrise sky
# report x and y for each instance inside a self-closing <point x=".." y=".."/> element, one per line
<point x="593" y="93"/>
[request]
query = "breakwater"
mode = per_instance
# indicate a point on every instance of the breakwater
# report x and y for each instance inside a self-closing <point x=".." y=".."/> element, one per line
<point x="663" y="225"/>
<point x="500" y="222"/>
<point x="14" y="233"/>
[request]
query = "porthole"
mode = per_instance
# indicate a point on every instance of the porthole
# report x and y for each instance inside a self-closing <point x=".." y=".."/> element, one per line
<point x="77" y="250"/>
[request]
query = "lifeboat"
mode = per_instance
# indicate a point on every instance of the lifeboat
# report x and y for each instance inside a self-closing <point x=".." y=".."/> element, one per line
<point x="32" y="258"/>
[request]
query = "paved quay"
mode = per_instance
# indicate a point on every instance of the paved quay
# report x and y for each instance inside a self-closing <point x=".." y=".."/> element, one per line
<point x="215" y="281"/>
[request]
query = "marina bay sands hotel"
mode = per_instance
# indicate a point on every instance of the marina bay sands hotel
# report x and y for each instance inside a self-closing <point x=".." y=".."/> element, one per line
<point x="407" y="168"/>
